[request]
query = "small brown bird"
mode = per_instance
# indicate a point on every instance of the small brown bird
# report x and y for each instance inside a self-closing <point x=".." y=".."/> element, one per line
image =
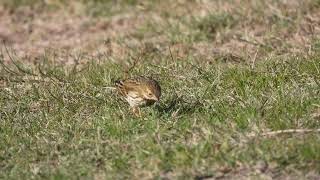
<point x="139" y="92"/>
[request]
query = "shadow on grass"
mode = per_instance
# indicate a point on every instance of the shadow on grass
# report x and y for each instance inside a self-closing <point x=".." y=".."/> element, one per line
<point x="178" y="106"/>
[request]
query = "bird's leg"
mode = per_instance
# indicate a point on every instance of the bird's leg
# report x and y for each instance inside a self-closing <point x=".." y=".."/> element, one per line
<point x="136" y="111"/>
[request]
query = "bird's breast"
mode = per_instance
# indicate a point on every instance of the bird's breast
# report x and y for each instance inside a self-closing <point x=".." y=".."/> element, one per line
<point x="135" y="101"/>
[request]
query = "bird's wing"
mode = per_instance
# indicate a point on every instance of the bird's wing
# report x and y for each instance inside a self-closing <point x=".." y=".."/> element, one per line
<point x="125" y="86"/>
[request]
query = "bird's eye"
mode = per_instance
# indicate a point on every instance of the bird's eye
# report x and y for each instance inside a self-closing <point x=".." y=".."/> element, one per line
<point x="150" y="94"/>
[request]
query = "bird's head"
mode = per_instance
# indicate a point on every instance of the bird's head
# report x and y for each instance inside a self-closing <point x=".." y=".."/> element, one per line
<point x="152" y="91"/>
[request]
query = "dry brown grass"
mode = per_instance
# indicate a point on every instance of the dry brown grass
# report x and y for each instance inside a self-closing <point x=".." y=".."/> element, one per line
<point x="259" y="29"/>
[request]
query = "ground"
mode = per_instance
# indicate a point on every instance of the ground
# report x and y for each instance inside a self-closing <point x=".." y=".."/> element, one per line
<point x="232" y="72"/>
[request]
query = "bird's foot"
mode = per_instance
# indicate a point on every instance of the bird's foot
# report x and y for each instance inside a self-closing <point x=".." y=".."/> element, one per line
<point x="136" y="111"/>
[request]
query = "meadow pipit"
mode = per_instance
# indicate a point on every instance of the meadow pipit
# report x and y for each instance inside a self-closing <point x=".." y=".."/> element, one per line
<point x="139" y="92"/>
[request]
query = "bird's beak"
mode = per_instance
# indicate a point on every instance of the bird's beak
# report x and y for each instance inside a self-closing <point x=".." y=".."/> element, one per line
<point x="156" y="99"/>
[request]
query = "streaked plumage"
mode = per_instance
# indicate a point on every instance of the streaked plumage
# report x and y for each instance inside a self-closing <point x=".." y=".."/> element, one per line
<point x="139" y="91"/>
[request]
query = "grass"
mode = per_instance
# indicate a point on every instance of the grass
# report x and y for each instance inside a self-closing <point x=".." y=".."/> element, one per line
<point x="234" y="70"/>
<point x="61" y="123"/>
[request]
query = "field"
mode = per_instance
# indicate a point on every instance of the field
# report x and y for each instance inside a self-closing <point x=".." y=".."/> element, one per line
<point x="240" y="83"/>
